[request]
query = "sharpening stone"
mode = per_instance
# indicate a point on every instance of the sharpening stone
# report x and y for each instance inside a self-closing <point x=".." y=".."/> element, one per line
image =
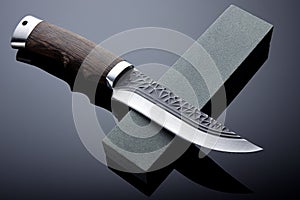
<point x="238" y="43"/>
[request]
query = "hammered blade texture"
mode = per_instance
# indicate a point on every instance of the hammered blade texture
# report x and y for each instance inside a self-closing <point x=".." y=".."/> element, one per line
<point x="141" y="84"/>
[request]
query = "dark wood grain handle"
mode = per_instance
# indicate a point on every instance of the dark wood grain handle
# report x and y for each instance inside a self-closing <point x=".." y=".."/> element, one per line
<point x="73" y="52"/>
<point x="75" y="57"/>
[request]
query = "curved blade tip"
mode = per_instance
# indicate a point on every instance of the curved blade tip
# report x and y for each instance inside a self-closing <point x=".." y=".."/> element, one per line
<point x="236" y="146"/>
<point x="248" y="147"/>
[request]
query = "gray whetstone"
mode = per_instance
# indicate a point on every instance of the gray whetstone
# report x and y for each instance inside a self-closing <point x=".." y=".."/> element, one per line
<point x="230" y="40"/>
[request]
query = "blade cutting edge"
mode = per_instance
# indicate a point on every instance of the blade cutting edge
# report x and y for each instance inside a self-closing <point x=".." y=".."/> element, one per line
<point x="180" y="127"/>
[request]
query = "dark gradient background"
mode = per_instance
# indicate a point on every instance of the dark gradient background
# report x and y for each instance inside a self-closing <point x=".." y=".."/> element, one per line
<point x="41" y="156"/>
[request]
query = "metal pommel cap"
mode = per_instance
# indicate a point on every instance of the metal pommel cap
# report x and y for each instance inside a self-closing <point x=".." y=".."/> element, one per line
<point x="23" y="30"/>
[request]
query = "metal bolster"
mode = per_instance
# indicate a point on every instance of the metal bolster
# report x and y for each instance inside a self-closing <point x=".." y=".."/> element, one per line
<point x="23" y="30"/>
<point x="116" y="71"/>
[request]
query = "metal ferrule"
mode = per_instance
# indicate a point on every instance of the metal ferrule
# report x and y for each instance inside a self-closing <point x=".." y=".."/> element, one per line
<point x="116" y="71"/>
<point x="23" y="30"/>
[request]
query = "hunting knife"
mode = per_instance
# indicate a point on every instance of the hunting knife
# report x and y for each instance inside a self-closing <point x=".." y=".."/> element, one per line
<point x="117" y="80"/>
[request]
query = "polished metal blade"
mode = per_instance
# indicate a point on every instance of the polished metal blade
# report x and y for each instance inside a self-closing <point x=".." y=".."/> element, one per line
<point x="162" y="106"/>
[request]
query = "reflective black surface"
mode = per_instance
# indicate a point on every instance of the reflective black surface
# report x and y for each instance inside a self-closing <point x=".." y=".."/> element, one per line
<point x="43" y="158"/>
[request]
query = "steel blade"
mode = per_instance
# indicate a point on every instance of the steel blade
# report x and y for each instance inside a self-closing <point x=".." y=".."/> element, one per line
<point x="161" y="105"/>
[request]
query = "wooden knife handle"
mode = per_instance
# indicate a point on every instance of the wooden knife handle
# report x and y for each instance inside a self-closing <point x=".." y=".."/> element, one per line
<point x="70" y="50"/>
<point x="76" y="57"/>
